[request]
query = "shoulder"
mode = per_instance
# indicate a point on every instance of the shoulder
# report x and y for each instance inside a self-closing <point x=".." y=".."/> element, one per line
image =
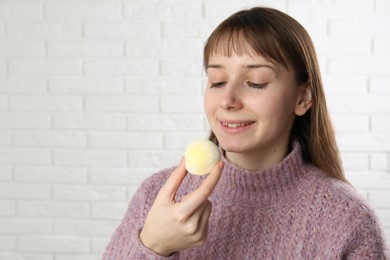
<point x="340" y="202"/>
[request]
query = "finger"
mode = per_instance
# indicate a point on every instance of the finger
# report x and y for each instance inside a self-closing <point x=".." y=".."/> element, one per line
<point x="174" y="181"/>
<point x="204" y="223"/>
<point x="202" y="193"/>
<point x="193" y="222"/>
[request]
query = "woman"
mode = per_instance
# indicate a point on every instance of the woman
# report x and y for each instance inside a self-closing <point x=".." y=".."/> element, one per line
<point x="279" y="191"/>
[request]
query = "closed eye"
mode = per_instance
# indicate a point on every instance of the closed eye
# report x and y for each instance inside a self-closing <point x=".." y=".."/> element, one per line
<point x="218" y="84"/>
<point x="257" y="85"/>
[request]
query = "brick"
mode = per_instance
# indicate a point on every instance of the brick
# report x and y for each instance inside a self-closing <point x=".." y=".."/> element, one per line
<point x="122" y="103"/>
<point x="6" y="173"/>
<point x="165" y="48"/>
<point x="3" y="103"/>
<point x="156" y="159"/>
<point x="85" y="48"/>
<point x="355" y="161"/>
<point x="89" y="122"/>
<point x="338" y="45"/>
<point x="75" y="157"/>
<point x="382" y="7"/>
<point x="126" y="29"/>
<point x="13" y="155"/>
<point x="23" y="256"/>
<point x="380" y="123"/>
<point x="50" y="139"/>
<point x="118" y="175"/>
<point x="181" y="67"/>
<point x="379" y="161"/>
<point x="384" y="217"/>
<point x="83" y="10"/>
<point x="218" y="9"/>
<point x="331" y="9"/>
<point x="187" y="85"/>
<point x="187" y="29"/>
<point x="360" y="26"/>
<point x="25" y="226"/>
<point x="86" y="85"/>
<point x="112" y="211"/>
<point x="345" y="84"/>
<point x="98" y="245"/>
<point x="50" y="66"/>
<point x="364" y="142"/>
<point x="317" y="27"/>
<point x="180" y="141"/>
<point x="351" y="123"/>
<point x="50" y="174"/>
<point x="24" y="121"/>
<point x="2" y="30"/>
<point x="24" y="191"/>
<point x="22" y="10"/>
<point x="24" y="85"/>
<point x="5" y="138"/>
<point x="19" y="47"/>
<point x="47" y="30"/>
<point x="353" y="103"/>
<point x="131" y="190"/>
<point x="380" y="199"/>
<point x="84" y="227"/>
<point x="54" y="244"/>
<point x="7" y="208"/>
<point x="49" y="103"/>
<point x="57" y="209"/>
<point x="359" y="65"/>
<point x="126" y="140"/>
<point x="381" y="46"/>
<point x="120" y="66"/>
<point x="3" y="67"/>
<point x="79" y="256"/>
<point x="164" y="122"/>
<point x="163" y="9"/>
<point x="370" y="180"/>
<point x="7" y="242"/>
<point x="380" y="85"/>
<point x="182" y="104"/>
<point x="80" y="193"/>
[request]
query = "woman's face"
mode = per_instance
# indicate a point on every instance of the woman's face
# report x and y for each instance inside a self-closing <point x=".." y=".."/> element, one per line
<point x="251" y="104"/>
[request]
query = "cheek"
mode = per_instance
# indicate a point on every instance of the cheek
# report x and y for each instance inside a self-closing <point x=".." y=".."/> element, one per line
<point x="208" y="104"/>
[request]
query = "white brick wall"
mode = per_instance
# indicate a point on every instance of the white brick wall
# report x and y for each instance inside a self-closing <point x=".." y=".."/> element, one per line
<point x="97" y="95"/>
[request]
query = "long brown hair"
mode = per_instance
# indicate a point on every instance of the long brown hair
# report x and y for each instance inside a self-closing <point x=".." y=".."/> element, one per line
<point x="280" y="38"/>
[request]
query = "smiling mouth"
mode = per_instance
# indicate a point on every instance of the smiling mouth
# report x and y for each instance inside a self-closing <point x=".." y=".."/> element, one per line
<point x="236" y="125"/>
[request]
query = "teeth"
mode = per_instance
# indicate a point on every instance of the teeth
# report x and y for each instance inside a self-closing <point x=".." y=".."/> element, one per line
<point x="235" y="125"/>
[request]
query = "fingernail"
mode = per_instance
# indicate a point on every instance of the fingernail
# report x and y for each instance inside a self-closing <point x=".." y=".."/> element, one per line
<point x="221" y="164"/>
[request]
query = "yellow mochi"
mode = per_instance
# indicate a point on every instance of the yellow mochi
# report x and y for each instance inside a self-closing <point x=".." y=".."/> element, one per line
<point x="201" y="156"/>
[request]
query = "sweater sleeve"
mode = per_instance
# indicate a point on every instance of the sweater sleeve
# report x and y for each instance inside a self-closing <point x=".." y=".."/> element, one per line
<point x="367" y="241"/>
<point x="125" y="243"/>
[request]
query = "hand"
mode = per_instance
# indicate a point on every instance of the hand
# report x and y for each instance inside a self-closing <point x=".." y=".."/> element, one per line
<point x="172" y="226"/>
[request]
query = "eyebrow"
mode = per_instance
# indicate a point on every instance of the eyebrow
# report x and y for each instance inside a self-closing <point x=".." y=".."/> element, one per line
<point x="249" y="66"/>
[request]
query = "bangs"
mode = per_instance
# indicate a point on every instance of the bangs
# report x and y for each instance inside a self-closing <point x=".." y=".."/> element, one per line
<point x="245" y="34"/>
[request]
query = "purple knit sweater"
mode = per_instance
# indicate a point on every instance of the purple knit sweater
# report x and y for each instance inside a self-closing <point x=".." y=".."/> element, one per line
<point x="289" y="211"/>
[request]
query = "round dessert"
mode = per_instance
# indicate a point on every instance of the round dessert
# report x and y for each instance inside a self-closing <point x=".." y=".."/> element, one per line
<point x="201" y="156"/>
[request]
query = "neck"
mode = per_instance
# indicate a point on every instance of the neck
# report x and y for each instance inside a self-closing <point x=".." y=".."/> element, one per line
<point x="277" y="184"/>
<point x="258" y="160"/>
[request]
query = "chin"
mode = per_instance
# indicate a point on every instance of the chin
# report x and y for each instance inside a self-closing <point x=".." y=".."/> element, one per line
<point x="233" y="147"/>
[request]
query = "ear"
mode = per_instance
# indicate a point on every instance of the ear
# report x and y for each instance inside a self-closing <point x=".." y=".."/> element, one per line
<point x="304" y="100"/>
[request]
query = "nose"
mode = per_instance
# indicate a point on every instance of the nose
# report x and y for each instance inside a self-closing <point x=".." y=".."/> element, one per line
<point x="231" y="97"/>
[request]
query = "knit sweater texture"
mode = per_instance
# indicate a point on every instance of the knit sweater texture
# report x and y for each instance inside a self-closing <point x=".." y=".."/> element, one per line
<point x="291" y="210"/>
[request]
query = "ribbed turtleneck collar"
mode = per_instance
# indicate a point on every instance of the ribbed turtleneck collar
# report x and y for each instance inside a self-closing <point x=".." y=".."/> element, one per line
<point x="278" y="183"/>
